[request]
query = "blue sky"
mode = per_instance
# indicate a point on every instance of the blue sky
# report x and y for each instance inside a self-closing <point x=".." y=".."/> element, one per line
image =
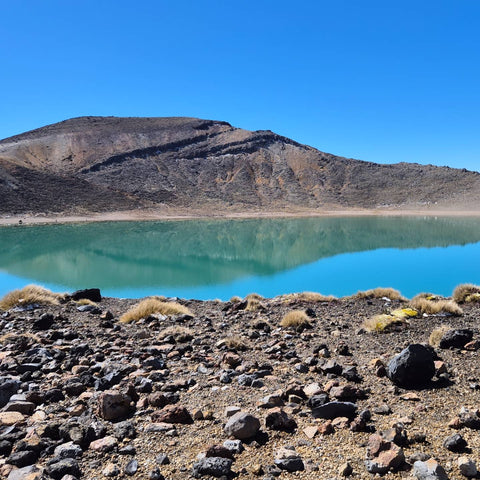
<point x="384" y="81"/>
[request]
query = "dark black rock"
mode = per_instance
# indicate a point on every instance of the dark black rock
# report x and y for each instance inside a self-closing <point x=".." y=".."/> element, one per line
<point x="92" y="294"/>
<point x="412" y="367"/>
<point x="216" y="466"/>
<point x="294" y="464"/>
<point x="67" y="466"/>
<point x="124" y="429"/>
<point x="5" y="448"/>
<point x="23" y="458"/>
<point x="333" y="410"/>
<point x="8" y="387"/>
<point x="456" y="338"/>
<point x="45" y="322"/>
<point x="155" y="474"/>
<point x="455" y="443"/>
<point x="317" y="400"/>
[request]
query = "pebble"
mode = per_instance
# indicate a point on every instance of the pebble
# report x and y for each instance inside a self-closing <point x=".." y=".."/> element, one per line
<point x="242" y="426"/>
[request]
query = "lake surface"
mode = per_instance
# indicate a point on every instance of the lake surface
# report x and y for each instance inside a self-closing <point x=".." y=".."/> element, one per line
<point x="208" y="259"/>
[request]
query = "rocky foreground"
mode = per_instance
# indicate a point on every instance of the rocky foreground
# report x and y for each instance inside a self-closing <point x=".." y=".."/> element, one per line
<point x="227" y="392"/>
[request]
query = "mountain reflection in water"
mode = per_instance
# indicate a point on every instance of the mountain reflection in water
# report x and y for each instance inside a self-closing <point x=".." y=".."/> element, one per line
<point x="184" y="254"/>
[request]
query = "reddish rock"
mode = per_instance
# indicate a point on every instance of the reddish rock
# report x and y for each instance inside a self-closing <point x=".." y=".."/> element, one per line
<point x="277" y="419"/>
<point x="172" y="414"/>
<point x="219" y="451"/>
<point x="113" y="405"/>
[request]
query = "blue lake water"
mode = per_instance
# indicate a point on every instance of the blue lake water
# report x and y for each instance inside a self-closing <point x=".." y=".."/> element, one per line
<point x="208" y="259"/>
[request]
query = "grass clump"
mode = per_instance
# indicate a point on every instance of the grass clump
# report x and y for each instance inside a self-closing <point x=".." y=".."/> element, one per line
<point x="22" y="341"/>
<point x="466" y="292"/>
<point x="382" y="323"/>
<point x="30" y="295"/>
<point x="296" y="319"/>
<point x="235" y="299"/>
<point x="380" y="292"/>
<point x="179" y="334"/>
<point x="405" y="313"/>
<point x="151" y="306"/>
<point x="235" y="343"/>
<point x="86" y="301"/>
<point x="432" y="307"/>
<point x="437" y="334"/>
<point x="314" y="297"/>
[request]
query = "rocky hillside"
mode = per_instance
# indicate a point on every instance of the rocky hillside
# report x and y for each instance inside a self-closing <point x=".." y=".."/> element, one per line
<point x="98" y="164"/>
<point x="233" y="390"/>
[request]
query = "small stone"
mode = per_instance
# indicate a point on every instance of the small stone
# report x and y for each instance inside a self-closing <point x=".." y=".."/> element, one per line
<point x="162" y="459"/>
<point x="231" y="410"/>
<point x="345" y="470"/>
<point x="242" y="426"/>
<point x="455" y="443"/>
<point x="10" y="418"/>
<point x="111" y="470"/>
<point x="103" y="445"/>
<point x="32" y="472"/>
<point x="333" y="410"/>
<point x="277" y="419"/>
<point x="234" y="446"/>
<point x="22" y="458"/>
<point x="68" y="450"/>
<point x="456" y="338"/>
<point x="216" y="466"/>
<point x="288" y="459"/>
<point x="67" y="466"/>
<point x="467" y="467"/>
<point x="310" y="431"/>
<point x="173" y="414"/>
<point x="429" y="470"/>
<point x="113" y="405"/>
<point x="131" y="467"/>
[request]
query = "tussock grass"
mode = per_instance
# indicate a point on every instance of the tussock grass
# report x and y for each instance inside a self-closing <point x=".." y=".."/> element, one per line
<point x="405" y="313"/>
<point x="22" y="341"/>
<point x="297" y="319"/>
<point x="382" y="323"/>
<point x="254" y="296"/>
<point x="236" y="343"/>
<point x="380" y="292"/>
<point x="253" y="305"/>
<point x="314" y="297"/>
<point x="432" y="307"/>
<point x="86" y="301"/>
<point x="466" y="292"/>
<point x="235" y="299"/>
<point x="437" y="335"/>
<point x="29" y="295"/>
<point x="150" y="306"/>
<point x="180" y="334"/>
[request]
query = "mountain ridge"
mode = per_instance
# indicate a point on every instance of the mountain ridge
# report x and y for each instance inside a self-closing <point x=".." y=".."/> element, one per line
<point x="104" y="164"/>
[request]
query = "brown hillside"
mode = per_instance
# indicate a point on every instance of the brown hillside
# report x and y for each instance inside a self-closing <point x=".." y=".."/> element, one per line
<point x="97" y="164"/>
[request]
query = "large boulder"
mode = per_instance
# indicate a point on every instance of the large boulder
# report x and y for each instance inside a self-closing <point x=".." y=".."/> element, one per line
<point x="242" y="426"/>
<point x="412" y="367"/>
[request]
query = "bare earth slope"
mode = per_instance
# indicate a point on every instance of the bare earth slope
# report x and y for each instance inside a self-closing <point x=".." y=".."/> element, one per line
<point x="101" y="164"/>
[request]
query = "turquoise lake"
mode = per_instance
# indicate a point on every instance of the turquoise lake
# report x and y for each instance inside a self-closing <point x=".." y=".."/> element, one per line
<point x="207" y="259"/>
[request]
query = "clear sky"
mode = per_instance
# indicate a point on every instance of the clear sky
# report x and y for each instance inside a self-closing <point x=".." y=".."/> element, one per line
<point x="379" y="80"/>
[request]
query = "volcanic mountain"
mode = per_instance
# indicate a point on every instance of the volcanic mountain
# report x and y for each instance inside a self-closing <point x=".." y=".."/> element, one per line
<point x="104" y="164"/>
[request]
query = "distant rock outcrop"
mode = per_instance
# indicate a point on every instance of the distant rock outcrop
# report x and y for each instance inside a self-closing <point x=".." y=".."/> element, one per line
<point x="98" y="164"/>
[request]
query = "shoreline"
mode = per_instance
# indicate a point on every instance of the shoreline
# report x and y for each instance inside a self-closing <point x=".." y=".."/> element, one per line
<point x="147" y="215"/>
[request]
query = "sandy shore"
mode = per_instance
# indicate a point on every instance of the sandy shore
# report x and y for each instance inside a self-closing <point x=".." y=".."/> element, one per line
<point x="152" y="215"/>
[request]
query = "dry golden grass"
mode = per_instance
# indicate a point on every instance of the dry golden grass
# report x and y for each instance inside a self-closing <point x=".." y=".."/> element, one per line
<point x="405" y="313"/>
<point x="253" y="296"/>
<point x="235" y="299"/>
<point x="380" y="292"/>
<point x="297" y="319"/>
<point x="150" y="306"/>
<point x="382" y="323"/>
<point x="180" y="334"/>
<point x="437" y="334"/>
<point x="253" y="305"/>
<point x="22" y="341"/>
<point x="236" y="343"/>
<point x="432" y="307"/>
<point x="314" y="297"/>
<point x="86" y="301"/>
<point x="467" y="292"/>
<point x="29" y="295"/>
